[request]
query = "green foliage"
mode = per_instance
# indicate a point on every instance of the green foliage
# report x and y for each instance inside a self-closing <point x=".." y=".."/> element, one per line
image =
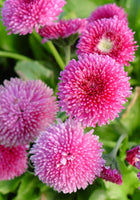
<point x="34" y="70"/>
<point x="43" y="65"/>
<point x="9" y="186"/>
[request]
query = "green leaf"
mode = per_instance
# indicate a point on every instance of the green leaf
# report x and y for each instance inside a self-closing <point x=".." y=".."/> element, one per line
<point x="29" y="188"/>
<point x="9" y="186"/>
<point x="98" y="194"/>
<point x="83" y="8"/>
<point x="130" y="183"/>
<point x="34" y="70"/>
<point x="1" y="197"/>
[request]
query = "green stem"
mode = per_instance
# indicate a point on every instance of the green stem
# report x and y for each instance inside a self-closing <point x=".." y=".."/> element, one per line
<point x="56" y="55"/>
<point x="116" y="148"/>
<point x="50" y="47"/>
<point x="108" y="143"/>
<point x="14" y="55"/>
<point x="67" y="53"/>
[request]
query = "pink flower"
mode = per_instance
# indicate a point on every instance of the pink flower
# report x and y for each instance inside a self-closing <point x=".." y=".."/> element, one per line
<point x="111" y="175"/>
<point x="132" y="155"/>
<point x="13" y="161"/>
<point x="21" y="16"/>
<point x="63" y="28"/>
<point x="108" y="37"/>
<point x="67" y="159"/>
<point x="108" y="11"/>
<point x="133" y="158"/>
<point x="93" y="89"/>
<point x="26" y="107"/>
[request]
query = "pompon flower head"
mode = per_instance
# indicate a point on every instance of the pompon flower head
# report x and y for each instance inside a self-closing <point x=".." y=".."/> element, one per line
<point x="21" y="16"/>
<point x="108" y="37"/>
<point x="108" y="11"/>
<point x="63" y="29"/>
<point x="111" y="175"/>
<point x="67" y="159"/>
<point x="132" y="155"/>
<point x="13" y="161"/>
<point x="93" y="89"/>
<point x="25" y="108"/>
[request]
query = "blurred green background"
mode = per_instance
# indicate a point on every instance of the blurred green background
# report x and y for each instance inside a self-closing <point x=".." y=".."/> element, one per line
<point x="29" y="59"/>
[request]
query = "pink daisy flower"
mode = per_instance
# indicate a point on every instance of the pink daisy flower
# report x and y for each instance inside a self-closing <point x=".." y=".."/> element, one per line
<point x="13" y="161"/>
<point x="93" y="89"/>
<point x="21" y="16"/>
<point x="63" y="29"/>
<point x="111" y="175"/>
<point x="132" y="155"/>
<point x="67" y="159"/>
<point x="108" y="11"/>
<point x="108" y="37"/>
<point x="26" y="107"/>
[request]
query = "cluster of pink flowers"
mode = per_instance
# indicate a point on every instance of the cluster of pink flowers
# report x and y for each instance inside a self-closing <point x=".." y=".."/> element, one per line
<point x="92" y="91"/>
<point x="26" y="107"/>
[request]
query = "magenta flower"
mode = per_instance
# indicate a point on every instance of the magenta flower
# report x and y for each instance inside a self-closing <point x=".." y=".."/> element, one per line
<point x="108" y="11"/>
<point x="13" y="161"/>
<point x="93" y="89"/>
<point x="67" y="159"/>
<point x="133" y="158"/>
<point x="111" y="175"/>
<point x="132" y="155"/>
<point x="21" y="16"/>
<point x="108" y="37"/>
<point x="63" y="28"/>
<point x="26" y="108"/>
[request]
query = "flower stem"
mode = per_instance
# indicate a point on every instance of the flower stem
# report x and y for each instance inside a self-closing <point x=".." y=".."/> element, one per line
<point x="67" y="54"/>
<point x="116" y="148"/>
<point x="14" y="55"/>
<point x="50" y="47"/>
<point x="56" y="55"/>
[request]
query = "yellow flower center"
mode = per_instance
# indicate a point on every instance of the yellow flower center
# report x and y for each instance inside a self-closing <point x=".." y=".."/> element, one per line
<point x="105" y="45"/>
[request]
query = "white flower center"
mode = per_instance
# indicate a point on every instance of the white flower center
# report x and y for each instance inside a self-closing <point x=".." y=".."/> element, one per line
<point x="105" y="45"/>
<point x="65" y="157"/>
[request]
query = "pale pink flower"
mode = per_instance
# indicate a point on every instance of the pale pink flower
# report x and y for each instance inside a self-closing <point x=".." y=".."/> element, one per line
<point x="111" y="175"/>
<point x="93" y="89"/>
<point x="26" y="107"/>
<point x="13" y="161"/>
<point x="63" y="29"/>
<point x="67" y="159"/>
<point x="108" y="11"/>
<point x="21" y="16"/>
<point x="108" y="37"/>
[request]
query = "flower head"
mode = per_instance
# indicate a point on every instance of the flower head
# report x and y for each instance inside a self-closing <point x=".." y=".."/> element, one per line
<point x="108" y="11"/>
<point x="108" y="37"/>
<point x="93" y="89"/>
<point x="63" y="28"/>
<point x="21" y="16"/>
<point x="133" y="156"/>
<point x="67" y="159"/>
<point x="111" y="175"/>
<point x="13" y="161"/>
<point x="25" y="108"/>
